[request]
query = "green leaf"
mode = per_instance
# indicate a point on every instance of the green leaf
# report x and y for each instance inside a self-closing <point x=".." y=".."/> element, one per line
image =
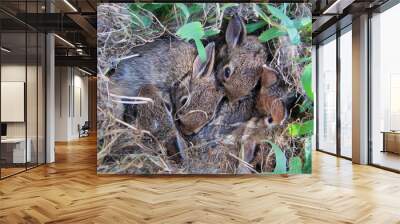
<point x="295" y="165"/>
<point x="255" y="26"/>
<point x="294" y="36"/>
<point x="211" y="32"/>
<point x="287" y="22"/>
<point x="306" y="106"/>
<point x="201" y="50"/>
<point x="280" y="15"/>
<point x="307" y="167"/>
<point x="300" y="129"/>
<point x="280" y="158"/>
<point x="260" y="13"/>
<point x="270" y="34"/>
<point x="306" y="81"/>
<point x="194" y="31"/>
<point x="152" y="7"/>
<point x="303" y="59"/>
<point x="138" y="20"/>
<point x="191" y="31"/>
<point x="195" y="8"/>
<point x="303" y="22"/>
<point x="227" y="5"/>
<point x="184" y="10"/>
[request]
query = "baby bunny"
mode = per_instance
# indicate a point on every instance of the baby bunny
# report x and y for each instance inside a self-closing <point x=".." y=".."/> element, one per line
<point x="270" y="98"/>
<point x="196" y="97"/>
<point x="240" y="61"/>
<point x="160" y="63"/>
<point x="156" y="117"/>
<point x="254" y="150"/>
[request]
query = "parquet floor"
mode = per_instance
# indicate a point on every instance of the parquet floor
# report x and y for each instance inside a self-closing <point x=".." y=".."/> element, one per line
<point x="69" y="191"/>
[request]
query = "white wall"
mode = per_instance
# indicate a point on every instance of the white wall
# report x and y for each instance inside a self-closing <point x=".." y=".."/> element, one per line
<point x="33" y="126"/>
<point x="70" y="84"/>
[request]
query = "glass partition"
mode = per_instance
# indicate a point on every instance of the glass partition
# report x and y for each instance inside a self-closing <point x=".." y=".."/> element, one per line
<point x="385" y="89"/>
<point x="14" y="145"/>
<point x="22" y="100"/>
<point x="327" y="96"/>
<point x="346" y="93"/>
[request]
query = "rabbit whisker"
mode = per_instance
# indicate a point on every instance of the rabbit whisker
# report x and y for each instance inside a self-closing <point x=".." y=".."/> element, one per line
<point x="196" y="111"/>
<point x="131" y="102"/>
<point x="246" y="164"/>
<point x="131" y="97"/>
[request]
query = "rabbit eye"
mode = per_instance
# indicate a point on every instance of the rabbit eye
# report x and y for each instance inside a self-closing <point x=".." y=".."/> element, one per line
<point x="183" y="100"/>
<point x="270" y="120"/>
<point x="227" y="72"/>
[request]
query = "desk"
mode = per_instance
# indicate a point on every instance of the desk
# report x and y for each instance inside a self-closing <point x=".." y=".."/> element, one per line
<point x="13" y="150"/>
<point x="391" y="141"/>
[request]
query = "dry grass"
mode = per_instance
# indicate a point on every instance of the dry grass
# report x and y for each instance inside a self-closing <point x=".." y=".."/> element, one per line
<point x="123" y="148"/>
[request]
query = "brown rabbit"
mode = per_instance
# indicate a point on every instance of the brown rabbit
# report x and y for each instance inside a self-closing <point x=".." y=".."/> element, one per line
<point x="197" y="97"/>
<point x="156" y="117"/>
<point x="270" y="98"/>
<point x="160" y="63"/>
<point x="256" y="154"/>
<point x="240" y="61"/>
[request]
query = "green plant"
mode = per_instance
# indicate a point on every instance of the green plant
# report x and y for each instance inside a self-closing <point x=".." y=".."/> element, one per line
<point x="306" y="81"/>
<point x="301" y="129"/>
<point x="194" y="31"/>
<point x="307" y="166"/>
<point x="295" y="165"/>
<point x="281" y="24"/>
<point x="280" y="159"/>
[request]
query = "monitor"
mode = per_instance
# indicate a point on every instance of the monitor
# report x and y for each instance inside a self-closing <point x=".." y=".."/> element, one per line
<point x="3" y="129"/>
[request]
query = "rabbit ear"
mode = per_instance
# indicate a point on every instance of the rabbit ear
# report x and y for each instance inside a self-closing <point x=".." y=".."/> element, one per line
<point x="268" y="76"/>
<point x="236" y="32"/>
<point x="205" y="68"/>
<point x="278" y="111"/>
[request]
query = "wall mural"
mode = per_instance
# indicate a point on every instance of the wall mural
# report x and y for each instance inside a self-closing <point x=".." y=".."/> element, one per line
<point x="216" y="88"/>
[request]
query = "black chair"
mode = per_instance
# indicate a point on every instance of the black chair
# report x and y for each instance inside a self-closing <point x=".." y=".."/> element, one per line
<point x="84" y="130"/>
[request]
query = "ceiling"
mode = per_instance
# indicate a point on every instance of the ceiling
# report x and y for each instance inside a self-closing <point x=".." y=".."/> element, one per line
<point x="332" y="15"/>
<point x="74" y="22"/>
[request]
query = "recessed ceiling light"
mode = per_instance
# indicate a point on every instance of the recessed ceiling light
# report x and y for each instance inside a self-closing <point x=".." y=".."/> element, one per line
<point x="64" y="40"/>
<point x="338" y="6"/>
<point x="5" y="50"/>
<point x="70" y="5"/>
<point x="84" y="71"/>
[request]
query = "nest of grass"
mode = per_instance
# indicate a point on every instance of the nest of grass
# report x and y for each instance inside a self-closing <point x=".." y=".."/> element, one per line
<point x="125" y="149"/>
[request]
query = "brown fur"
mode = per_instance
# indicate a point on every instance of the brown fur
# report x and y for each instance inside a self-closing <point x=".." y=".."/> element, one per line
<point x="244" y="56"/>
<point x="270" y="96"/>
<point x="157" y="118"/>
<point x="255" y="151"/>
<point x="160" y="63"/>
<point x="201" y="94"/>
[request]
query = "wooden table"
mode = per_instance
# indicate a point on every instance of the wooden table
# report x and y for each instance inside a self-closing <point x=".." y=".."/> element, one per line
<point x="391" y="141"/>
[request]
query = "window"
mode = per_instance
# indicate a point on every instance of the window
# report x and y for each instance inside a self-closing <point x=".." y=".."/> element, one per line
<point x="327" y="96"/>
<point x="385" y="89"/>
<point x="346" y="93"/>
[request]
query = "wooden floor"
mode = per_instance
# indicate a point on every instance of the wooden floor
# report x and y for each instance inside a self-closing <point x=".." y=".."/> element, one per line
<point x="69" y="191"/>
<point x="387" y="159"/>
